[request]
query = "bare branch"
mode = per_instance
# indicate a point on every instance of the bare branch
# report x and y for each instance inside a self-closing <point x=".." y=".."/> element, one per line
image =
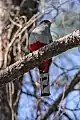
<point x="69" y="88"/>
<point x="16" y="70"/>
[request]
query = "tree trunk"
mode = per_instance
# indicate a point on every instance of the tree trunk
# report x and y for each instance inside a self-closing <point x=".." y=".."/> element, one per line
<point x="5" y="112"/>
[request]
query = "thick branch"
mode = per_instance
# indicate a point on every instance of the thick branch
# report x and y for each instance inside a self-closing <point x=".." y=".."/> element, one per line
<point x="34" y="59"/>
<point x="54" y="106"/>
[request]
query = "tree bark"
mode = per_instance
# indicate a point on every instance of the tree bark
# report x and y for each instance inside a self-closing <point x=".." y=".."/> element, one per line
<point x="5" y="111"/>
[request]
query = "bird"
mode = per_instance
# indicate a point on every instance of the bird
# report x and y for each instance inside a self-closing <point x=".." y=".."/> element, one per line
<point x="38" y="38"/>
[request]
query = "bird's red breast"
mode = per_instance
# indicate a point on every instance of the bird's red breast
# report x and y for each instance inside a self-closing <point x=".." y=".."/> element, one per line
<point x="35" y="46"/>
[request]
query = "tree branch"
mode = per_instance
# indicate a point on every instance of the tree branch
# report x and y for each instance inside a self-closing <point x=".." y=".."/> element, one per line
<point x="16" y="70"/>
<point x="69" y="88"/>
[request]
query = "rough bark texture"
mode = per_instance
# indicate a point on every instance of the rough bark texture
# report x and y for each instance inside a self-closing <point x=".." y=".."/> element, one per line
<point x="4" y="13"/>
<point x="15" y="71"/>
<point x="5" y="110"/>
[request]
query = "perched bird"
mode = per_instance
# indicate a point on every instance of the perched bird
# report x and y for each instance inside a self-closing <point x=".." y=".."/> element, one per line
<point x="38" y="38"/>
<point x="65" y="16"/>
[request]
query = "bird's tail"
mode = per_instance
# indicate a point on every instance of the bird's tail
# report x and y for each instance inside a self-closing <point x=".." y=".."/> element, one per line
<point x="44" y="77"/>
